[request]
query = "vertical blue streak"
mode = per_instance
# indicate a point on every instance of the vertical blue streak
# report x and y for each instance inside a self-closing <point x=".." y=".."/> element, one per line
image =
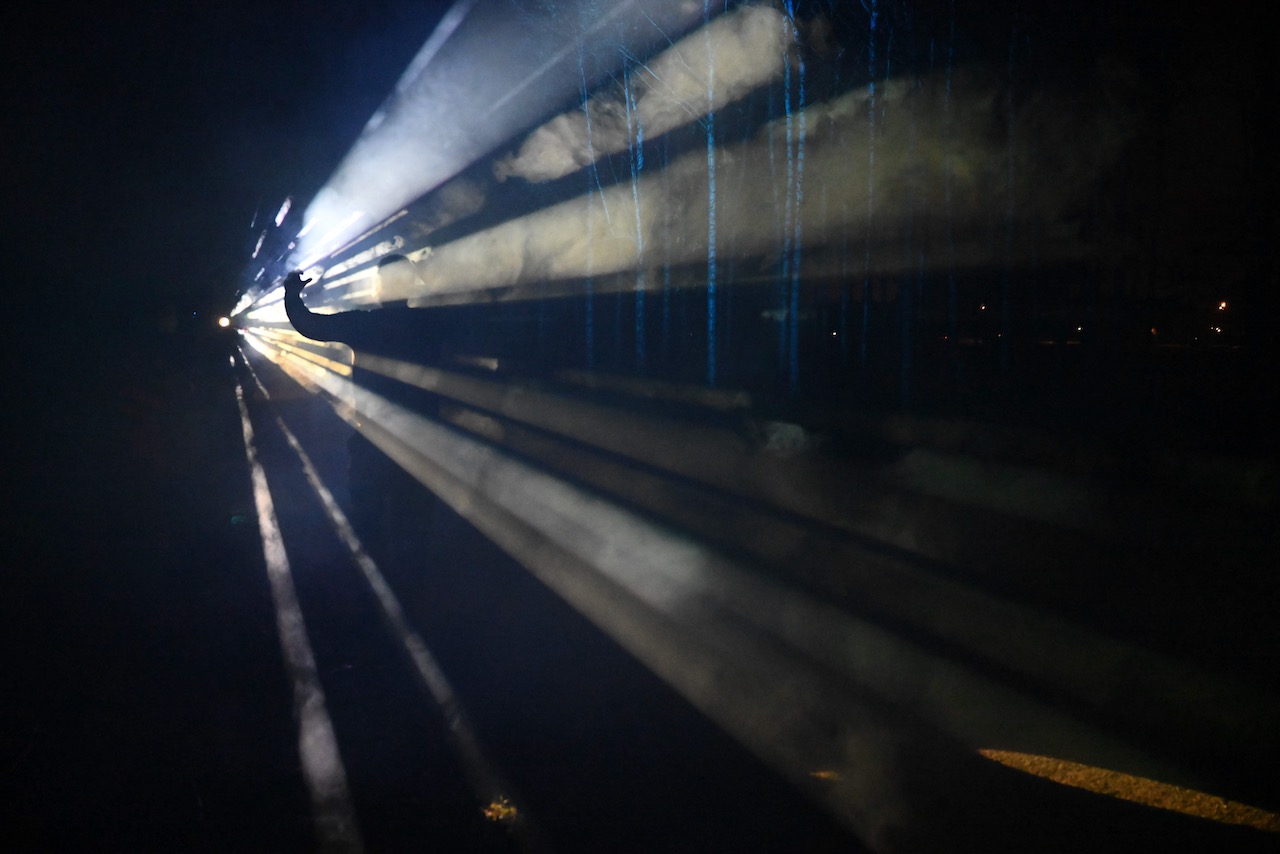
<point x="635" y="135"/>
<point x="784" y="327"/>
<point x="794" y="313"/>
<point x="871" y="172"/>
<point x="952" y="297"/>
<point x="711" y="200"/>
<point x="593" y="178"/>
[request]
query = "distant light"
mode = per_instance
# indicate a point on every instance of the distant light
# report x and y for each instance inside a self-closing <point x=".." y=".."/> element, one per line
<point x="1217" y="329"/>
<point x="1079" y="329"/>
<point x="501" y="810"/>
<point x="224" y="322"/>
<point x="1222" y="306"/>
<point x="1153" y="331"/>
<point x="982" y="307"/>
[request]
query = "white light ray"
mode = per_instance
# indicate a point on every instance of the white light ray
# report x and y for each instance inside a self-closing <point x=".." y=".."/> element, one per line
<point x="750" y="46"/>
<point x="483" y="775"/>
<point x="457" y="103"/>
<point x="322" y="767"/>
<point x="754" y="656"/>
<point x="284" y="210"/>
<point x="579" y="238"/>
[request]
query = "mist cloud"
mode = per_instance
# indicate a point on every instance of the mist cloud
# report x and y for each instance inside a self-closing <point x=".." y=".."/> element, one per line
<point x="948" y="170"/>
<point x="733" y="55"/>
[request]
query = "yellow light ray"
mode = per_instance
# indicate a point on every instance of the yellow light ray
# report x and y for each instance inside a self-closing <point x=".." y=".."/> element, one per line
<point x="1139" y="790"/>
<point x="279" y="341"/>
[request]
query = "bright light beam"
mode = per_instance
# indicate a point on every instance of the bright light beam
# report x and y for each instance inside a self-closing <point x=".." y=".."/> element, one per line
<point x="670" y="91"/>
<point x="579" y="238"/>
<point x="1054" y="651"/>
<point x="431" y="128"/>
<point x="322" y="767"/>
<point x="486" y="781"/>
<point x="756" y="657"/>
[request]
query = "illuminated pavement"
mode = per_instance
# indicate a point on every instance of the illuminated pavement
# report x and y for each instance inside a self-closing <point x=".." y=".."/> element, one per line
<point x="153" y="709"/>
<point x="592" y="751"/>
<point x="156" y="711"/>
<point x="932" y="787"/>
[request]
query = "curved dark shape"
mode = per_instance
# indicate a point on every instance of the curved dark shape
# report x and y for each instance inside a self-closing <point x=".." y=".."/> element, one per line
<point x="354" y="328"/>
<point x="392" y="329"/>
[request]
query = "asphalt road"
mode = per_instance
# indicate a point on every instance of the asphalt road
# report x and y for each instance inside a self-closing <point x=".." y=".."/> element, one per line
<point x="148" y="705"/>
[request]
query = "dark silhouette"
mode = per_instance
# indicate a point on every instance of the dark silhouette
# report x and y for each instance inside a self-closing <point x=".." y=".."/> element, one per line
<point x="381" y="506"/>
<point x="383" y="330"/>
<point x="321" y="327"/>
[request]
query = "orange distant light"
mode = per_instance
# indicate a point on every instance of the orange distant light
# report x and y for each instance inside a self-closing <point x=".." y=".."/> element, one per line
<point x="224" y="322"/>
<point x="501" y="810"/>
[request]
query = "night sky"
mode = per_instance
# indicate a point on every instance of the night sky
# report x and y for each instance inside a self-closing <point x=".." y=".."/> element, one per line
<point x="140" y="139"/>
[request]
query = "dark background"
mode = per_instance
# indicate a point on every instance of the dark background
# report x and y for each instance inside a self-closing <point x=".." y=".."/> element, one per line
<point x="140" y="139"/>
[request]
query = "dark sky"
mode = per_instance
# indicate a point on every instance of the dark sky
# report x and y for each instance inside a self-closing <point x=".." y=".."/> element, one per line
<point x="138" y="139"/>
